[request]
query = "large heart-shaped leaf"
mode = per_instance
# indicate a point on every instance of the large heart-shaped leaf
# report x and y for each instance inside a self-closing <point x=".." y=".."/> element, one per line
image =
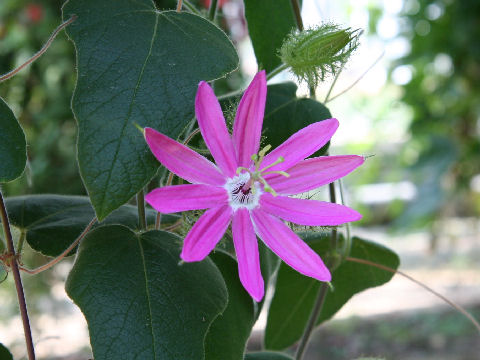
<point x="4" y="353"/>
<point x="136" y="65"/>
<point x="286" y="114"/>
<point x="269" y="22"/>
<point x="295" y="294"/>
<point x="52" y="222"/>
<point x="237" y="320"/>
<point x="139" y="302"/>
<point x="13" y="146"/>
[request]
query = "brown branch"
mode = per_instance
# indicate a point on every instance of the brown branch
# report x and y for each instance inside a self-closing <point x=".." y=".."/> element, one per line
<point x="12" y="262"/>
<point x="393" y="271"/>
<point x="40" y="52"/>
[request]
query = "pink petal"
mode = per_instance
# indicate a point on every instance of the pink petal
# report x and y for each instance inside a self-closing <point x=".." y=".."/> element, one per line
<point x="307" y="212"/>
<point x="182" y="161"/>
<point x="288" y="246"/>
<point x="312" y="173"/>
<point x="206" y="233"/>
<point x="301" y="144"/>
<point x="247" y="127"/>
<point x="213" y="128"/>
<point x="246" y="248"/>
<point x="170" y="199"/>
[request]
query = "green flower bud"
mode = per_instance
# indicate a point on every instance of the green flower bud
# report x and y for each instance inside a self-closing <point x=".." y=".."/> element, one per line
<point x="315" y="53"/>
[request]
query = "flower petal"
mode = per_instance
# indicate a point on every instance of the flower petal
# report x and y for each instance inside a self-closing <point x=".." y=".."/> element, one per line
<point x="246" y="248"/>
<point x="288" y="246"/>
<point x="312" y="173"/>
<point x="308" y="212"/>
<point x="170" y="199"/>
<point x="182" y="161"/>
<point x="214" y="131"/>
<point x="301" y="144"/>
<point x="247" y="127"/>
<point x="206" y="233"/>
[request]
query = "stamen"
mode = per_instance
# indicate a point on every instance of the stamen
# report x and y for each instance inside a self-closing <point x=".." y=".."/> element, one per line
<point x="283" y="173"/>
<point x="278" y="161"/>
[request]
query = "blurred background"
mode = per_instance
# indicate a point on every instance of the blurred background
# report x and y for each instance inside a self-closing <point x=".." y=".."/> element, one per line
<point x="414" y="111"/>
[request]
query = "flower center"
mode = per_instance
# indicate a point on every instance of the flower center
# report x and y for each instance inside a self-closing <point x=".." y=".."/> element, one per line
<point x="244" y="190"/>
<point x="241" y="194"/>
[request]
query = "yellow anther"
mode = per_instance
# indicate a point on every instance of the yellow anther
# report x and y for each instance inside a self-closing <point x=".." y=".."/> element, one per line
<point x="278" y="161"/>
<point x="265" y="150"/>
<point x="254" y="158"/>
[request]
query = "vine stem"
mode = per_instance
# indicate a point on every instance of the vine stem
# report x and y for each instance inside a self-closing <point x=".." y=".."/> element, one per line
<point x="297" y="13"/>
<point x="212" y="10"/>
<point x="179" y="5"/>
<point x="63" y="254"/>
<point x="429" y="289"/>
<point x="12" y="259"/>
<point x="41" y="51"/>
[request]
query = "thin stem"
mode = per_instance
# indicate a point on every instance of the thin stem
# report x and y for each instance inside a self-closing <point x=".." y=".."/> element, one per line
<point x="192" y="7"/>
<point x="63" y="254"/>
<point x="276" y="71"/>
<point x="179" y="5"/>
<point x="312" y="320"/>
<point x="18" y="280"/>
<point x="142" y="221"/>
<point x="449" y="302"/>
<point x="21" y="241"/>
<point x="337" y="75"/>
<point x="212" y="11"/>
<point x="297" y="13"/>
<point x="356" y="81"/>
<point x="40" y="52"/>
<point x="348" y="237"/>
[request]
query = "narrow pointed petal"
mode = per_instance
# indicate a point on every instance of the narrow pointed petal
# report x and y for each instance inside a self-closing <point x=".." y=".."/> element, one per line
<point x="247" y="127"/>
<point x="312" y="173"/>
<point x="176" y="198"/>
<point x="308" y="212"/>
<point x="288" y="246"/>
<point x="246" y="248"/>
<point x="214" y="131"/>
<point x="301" y="144"/>
<point x="206" y="233"/>
<point x="182" y="161"/>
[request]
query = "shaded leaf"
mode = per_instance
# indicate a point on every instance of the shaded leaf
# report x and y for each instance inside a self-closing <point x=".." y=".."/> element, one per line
<point x="135" y="66"/>
<point x="269" y="22"/>
<point x="53" y="222"/>
<point x="13" y="146"/>
<point x="139" y="302"/>
<point x="267" y="355"/>
<point x="295" y="294"/>
<point x="286" y="114"/>
<point x="4" y="353"/>
<point x="237" y="320"/>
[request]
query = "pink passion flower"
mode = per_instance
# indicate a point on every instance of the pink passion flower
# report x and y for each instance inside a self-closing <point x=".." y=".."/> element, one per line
<point x="250" y="188"/>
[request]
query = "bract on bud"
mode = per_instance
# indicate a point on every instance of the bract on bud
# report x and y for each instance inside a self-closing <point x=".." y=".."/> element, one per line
<point x="314" y="53"/>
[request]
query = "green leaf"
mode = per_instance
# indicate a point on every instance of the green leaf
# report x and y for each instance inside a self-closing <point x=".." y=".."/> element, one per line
<point x="139" y="302"/>
<point x="267" y="355"/>
<point x="52" y="222"/>
<point x="237" y="320"/>
<point x="269" y="22"/>
<point x="286" y="114"/>
<point x="295" y="294"/>
<point x="4" y="353"/>
<point x="136" y="65"/>
<point x="13" y="146"/>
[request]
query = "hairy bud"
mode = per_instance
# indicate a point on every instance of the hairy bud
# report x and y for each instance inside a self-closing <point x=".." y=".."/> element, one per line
<point x="314" y="53"/>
